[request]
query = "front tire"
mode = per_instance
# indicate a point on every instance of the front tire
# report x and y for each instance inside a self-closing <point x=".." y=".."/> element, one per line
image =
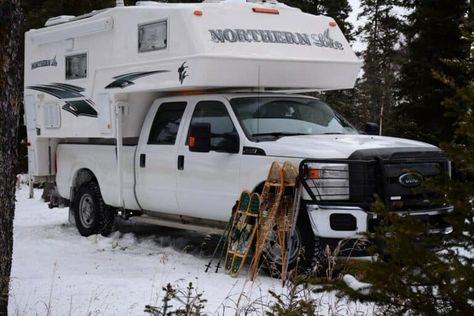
<point x="307" y="254"/>
<point x="91" y="214"/>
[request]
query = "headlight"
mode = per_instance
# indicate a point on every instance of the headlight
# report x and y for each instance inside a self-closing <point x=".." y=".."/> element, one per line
<point x="329" y="182"/>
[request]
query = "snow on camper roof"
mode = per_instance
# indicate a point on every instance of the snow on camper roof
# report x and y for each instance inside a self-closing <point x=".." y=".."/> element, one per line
<point x="209" y="45"/>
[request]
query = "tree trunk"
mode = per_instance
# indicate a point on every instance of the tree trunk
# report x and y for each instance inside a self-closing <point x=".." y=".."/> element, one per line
<point x="10" y="101"/>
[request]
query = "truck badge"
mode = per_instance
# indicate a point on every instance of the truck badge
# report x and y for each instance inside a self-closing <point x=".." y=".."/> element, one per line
<point x="410" y="179"/>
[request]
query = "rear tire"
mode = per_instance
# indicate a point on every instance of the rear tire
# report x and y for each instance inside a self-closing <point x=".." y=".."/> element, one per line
<point x="91" y="214"/>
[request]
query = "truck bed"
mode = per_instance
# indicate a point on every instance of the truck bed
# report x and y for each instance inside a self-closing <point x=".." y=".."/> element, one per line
<point x="101" y="160"/>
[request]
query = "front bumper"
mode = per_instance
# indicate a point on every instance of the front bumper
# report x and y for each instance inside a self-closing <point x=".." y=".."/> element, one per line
<point x="349" y="224"/>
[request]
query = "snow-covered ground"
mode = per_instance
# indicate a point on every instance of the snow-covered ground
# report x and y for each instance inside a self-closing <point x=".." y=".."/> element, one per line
<point x="58" y="272"/>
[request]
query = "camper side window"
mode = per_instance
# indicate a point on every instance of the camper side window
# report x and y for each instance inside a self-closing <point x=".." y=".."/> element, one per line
<point x="166" y="123"/>
<point x="76" y="66"/>
<point x="152" y="36"/>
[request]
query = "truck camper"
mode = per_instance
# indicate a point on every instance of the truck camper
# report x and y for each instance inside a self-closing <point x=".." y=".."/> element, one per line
<point x="163" y="113"/>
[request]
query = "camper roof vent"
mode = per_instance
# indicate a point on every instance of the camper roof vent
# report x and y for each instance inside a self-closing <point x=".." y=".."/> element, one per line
<point x="147" y="3"/>
<point x="59" y="19"/>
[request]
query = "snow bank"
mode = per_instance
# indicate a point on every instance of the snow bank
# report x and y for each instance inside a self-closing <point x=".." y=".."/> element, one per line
<point x="57" y="270"/>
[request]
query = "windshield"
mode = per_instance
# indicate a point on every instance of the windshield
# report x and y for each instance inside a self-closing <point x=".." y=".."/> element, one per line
<point x="269" y="118"/>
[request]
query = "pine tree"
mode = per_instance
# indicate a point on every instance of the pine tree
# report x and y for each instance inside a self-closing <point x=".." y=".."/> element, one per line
<point x="433" y="35"/>
<point x="339" y="10"/>
<point x="460" y="148"/>
<point x="10" y="103"/>
<point x="381" y="34"/>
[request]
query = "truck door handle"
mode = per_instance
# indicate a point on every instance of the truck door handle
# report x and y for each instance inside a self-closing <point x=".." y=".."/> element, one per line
<point x="180" y="162"/>
<point x="142" y="160"/>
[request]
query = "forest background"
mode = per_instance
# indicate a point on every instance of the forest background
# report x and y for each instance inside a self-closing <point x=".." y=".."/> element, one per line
<point x="417" y="82"/>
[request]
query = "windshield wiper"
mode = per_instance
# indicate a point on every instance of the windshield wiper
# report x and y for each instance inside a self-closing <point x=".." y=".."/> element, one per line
<point x="279" y="134"/>
<point x="333" y="134"/>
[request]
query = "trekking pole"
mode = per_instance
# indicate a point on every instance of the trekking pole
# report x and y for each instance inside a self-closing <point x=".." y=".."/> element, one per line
<point x="223" y="237"/>
<point x="226" y="234"/>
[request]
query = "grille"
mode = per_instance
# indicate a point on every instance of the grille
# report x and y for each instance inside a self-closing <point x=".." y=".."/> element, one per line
<point x="378" y="173"/>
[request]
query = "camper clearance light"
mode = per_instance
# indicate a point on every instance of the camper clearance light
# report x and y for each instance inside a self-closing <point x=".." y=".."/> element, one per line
<point x="266" y="10"/>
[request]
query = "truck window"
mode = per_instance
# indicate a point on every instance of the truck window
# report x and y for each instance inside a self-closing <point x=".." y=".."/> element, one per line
<point x="166" y="123"/>
<point x="215" y="113"/>
<point x="269" y="118"/>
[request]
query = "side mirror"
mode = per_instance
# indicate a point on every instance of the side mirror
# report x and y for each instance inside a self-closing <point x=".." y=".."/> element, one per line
<point x="199" y="139"/>
<point x="230" y="144"/>
<point x="372" y="129"/>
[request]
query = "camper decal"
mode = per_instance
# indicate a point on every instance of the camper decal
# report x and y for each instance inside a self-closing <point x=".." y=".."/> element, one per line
<point x="126" y="80"/>
<point x="275" y="37"/>
<point x="44" y="63"/>
<point x="183" y="73"/>
<point x="64" y="91"/>
<point x="80" y="108"/>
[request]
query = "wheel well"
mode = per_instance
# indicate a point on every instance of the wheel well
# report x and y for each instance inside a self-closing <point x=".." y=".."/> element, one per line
<point x="81" y="177"/>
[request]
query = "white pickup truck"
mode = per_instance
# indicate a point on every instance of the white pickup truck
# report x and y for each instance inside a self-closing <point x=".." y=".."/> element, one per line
<point x="166" y="112"/>
<point x="235" y="138"/>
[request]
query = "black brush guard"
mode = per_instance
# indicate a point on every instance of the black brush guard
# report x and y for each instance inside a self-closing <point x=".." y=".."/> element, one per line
<point x="379" y="177"/>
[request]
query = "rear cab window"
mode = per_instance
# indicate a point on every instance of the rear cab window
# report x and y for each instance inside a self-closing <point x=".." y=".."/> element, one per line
<point x="166" y="123"/>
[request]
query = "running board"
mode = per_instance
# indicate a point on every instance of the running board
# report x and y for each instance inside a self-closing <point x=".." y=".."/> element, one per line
<point x="146" y="219"/>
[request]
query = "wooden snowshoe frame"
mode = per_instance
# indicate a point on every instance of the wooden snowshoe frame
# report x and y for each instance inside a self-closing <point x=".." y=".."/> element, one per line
<point x="277" y="208"/>
<point x="242" y="232"/>
<point x="285" y="218"/>
<point x="271" y="196"/>
<point x="256" y="217"/>
<point x="243" y="205"/>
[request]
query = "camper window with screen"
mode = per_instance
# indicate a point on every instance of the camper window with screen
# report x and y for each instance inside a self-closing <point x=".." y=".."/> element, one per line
<point x="76" y="66"/>
<point x="152" y="36"/>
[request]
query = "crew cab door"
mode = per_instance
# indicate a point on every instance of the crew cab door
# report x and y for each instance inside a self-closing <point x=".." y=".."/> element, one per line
<point x="156" y="158"/>
<point x="209" y="182"/>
